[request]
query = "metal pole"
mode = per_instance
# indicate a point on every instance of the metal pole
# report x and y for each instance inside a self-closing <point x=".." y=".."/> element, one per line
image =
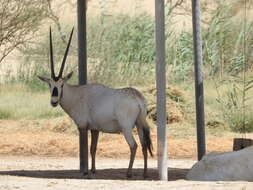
<point x="199" y="94"/>
<point x="161" y="86"/>
<point x="82" y="71"/>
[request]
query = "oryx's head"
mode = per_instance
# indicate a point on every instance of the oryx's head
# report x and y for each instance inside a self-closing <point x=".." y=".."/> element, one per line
<point x="56" y="82"/>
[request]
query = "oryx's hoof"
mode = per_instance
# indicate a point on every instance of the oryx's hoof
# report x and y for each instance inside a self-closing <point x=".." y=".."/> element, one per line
<point x="93" y="171"/>
<point x="92" y="175"/>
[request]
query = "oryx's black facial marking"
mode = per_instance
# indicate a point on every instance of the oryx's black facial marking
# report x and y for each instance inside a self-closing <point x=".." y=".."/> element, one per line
<point x="55" y="92"/>
<point x="56" y="79"/>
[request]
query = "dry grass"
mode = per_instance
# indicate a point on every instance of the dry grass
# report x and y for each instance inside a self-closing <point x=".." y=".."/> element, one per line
<point x="175" y="101"/>
<point x="19" y="102"/>
<point x="60" y="138"/>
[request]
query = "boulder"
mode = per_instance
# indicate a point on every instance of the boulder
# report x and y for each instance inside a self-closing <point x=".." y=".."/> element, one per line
<point x="229" y="166"/>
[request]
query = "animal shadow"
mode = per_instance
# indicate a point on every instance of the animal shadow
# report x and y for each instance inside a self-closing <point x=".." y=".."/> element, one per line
<point x="103" y="174"/>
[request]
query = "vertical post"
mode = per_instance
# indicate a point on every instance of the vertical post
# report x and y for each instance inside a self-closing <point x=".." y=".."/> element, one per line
<point x="199" y="94"/>
<point x="161" y="87"/>
<point x="83" y="151"/>
<point x="82" y="71"/>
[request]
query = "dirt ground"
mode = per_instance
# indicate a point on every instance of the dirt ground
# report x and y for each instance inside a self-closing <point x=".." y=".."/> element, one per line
<point x="110" y="146"/>
<point x="31" y="173"/>
<point x="36" y="156"/>
<point x="25" y="138"/>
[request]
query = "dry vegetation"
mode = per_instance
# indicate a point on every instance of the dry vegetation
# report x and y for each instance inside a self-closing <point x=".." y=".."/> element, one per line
<point x="55" y="139"/>
<point x="58" y="136"/>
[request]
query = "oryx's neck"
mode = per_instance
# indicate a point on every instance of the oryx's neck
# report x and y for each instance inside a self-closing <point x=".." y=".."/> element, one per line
<point x="71" y="98"/>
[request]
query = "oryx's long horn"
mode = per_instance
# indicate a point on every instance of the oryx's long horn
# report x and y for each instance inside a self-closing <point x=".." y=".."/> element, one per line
<point x="65" y="55"/>
<point x="51" y="55"/>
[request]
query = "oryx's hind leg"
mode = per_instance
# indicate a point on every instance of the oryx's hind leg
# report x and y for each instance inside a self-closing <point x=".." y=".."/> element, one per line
<point x="127" y="132"/>
<point x="144" y="149"/>
<point x="93" y="149"/>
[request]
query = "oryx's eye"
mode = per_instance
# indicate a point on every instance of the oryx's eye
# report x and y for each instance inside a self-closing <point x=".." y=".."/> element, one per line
<point x="55" y="92"/>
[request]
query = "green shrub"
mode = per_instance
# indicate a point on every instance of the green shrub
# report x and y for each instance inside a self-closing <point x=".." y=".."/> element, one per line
<point x="5" y="114"/>
<point x="224" y="40"/>
<point x="236" y="105"/>
<point x="123" y="48"/>
<point x="241" y="123"/>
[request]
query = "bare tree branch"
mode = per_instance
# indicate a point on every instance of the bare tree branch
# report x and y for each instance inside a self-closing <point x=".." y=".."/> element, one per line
<point x="172" y="6"/>
<point x="19" y="20"/>
<point x="56" y="20"/>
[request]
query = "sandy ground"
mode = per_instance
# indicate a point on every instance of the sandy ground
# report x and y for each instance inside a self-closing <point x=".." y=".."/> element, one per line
<point x="31" y="173"/>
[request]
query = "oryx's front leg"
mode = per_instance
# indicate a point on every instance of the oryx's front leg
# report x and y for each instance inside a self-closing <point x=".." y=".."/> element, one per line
<point x="93" y="149"/>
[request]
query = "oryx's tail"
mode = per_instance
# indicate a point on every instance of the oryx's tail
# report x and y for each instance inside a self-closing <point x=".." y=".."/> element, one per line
<point x="147" y="140"/>
<point x="143" y="124"/>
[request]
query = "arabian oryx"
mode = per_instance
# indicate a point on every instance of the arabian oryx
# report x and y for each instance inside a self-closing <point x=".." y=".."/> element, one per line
<point x="99" y="108"/>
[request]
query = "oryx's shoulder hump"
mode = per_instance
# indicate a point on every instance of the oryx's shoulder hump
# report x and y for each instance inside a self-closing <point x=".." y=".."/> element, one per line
<point x="131" y="92"/>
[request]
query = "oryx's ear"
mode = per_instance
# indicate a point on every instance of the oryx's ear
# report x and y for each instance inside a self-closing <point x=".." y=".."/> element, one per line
<point x="44" y="79"/>
<point x="68" y="76"/>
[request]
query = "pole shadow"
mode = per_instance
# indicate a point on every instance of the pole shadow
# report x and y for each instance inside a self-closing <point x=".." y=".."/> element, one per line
<point x="102" y="174"/>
